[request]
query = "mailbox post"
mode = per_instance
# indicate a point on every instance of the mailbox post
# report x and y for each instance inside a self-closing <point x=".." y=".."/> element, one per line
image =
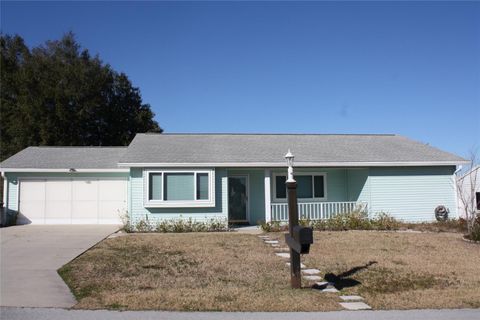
<point x="295" y="269"/>
<point x="298" y="238"/>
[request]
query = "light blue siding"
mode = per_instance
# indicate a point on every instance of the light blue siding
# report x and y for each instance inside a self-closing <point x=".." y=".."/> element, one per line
<point x="139" y="211"/>
<point x="358" y="185"/>
<point x="407" y="193"/>
<point x="411" y="194"/>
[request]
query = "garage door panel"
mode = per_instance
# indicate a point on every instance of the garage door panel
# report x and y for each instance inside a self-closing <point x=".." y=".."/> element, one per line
<point x="111" y="211"/>
<point x="112" y="190"/>
<point x="58" y="190"/>
<point x="77" y="200"/>
<point x="32" y="212"/>
<point x="85" y="190"/>
<point x="85" y="210"/>
<point x="60" y="211"/>
<point x="32" y="190"/>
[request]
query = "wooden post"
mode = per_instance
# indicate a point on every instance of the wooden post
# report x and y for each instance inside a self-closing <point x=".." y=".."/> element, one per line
<point x="295" y="270"/>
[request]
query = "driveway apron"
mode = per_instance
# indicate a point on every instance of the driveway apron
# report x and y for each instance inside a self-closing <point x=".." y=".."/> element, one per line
<point x="31" y="255"/>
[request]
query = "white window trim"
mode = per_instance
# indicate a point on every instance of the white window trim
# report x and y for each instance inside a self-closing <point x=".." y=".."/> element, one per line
<point x="312" y="174"/>
<point x="210" y="202"/>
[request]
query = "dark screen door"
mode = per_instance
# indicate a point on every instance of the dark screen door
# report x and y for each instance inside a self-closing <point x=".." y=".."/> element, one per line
<point x="237" y="199"/>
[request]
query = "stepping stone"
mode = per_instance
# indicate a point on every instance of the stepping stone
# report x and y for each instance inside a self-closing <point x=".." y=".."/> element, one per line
<point x="264" y="237"/>
<point x="311" y="271"/>
<point x="271" y="241"/>
<point x="283" y="254"/>
<point x="312" y="278"/>
<point x="355" y="306"/>
<point x="302" y="266"/>
<point x="325" y="287"/>
<point x="323" y="284"/>
<point x="331" y="290"/>
<point x="351" y="298"/>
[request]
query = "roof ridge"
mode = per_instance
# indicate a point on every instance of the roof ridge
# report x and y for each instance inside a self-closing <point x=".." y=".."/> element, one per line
<point x="265" y="134"/>
<point x="82" y="147"/>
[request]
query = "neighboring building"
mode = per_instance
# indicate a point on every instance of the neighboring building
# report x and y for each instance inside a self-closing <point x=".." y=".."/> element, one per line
<point x="467" y="193"/>
<point x="239" y="177"/>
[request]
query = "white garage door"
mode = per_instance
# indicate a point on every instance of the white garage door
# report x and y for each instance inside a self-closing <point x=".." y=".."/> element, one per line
<point x="77" y="201"/>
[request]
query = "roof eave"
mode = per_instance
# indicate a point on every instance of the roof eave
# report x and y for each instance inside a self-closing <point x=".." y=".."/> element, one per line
<point x="297" y="164"/>
<point x="65" y="170"/>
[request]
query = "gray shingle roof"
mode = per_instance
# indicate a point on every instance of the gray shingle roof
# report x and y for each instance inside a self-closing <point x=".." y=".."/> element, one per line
<point x="269" y="149"/>
<point x="237" y="150"/>
<point x="66" y="158"/>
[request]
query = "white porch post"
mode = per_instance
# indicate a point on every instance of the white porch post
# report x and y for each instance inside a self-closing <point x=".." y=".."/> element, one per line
<point x="268" y="207"/>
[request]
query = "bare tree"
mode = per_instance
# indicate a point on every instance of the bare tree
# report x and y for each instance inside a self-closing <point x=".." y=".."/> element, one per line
<point x="467" y="188"/>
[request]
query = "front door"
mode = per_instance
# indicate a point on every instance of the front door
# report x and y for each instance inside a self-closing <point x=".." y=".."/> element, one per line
<point x="238" y="199"/>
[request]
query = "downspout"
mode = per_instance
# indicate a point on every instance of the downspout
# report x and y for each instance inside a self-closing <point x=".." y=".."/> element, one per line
<point x="457" y="191"/>
<point x="5" y="187"/>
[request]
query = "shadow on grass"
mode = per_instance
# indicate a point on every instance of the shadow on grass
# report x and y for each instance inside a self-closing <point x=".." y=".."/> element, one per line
<point x="342" y="280"/>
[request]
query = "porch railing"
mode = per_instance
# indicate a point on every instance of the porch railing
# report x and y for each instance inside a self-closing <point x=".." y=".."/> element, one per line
<point x="316" y="210"/>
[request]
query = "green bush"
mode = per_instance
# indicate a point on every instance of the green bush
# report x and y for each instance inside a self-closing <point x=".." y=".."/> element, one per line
<point x="355" y="220"/>
<point x="143" y="225"/>
<point x="274" y="226"/>
<point x="383" y="221"/>
<point x="173" y="225"/>
<point x="474" y="234"/>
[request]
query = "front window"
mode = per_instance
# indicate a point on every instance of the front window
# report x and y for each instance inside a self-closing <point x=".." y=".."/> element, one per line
<point x="309" y="186"/>
<point x="170" y="188"/>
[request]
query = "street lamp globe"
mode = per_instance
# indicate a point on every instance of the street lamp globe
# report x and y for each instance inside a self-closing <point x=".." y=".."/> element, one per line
<point x="289" y="157"/>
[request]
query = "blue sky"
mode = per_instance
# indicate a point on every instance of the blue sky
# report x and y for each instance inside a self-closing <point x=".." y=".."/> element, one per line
<point x="411" y="68"/>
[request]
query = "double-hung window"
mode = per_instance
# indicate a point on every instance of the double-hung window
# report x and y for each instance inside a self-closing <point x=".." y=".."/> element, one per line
<point x="309" y="186"/>
<point x="179" y="188"/>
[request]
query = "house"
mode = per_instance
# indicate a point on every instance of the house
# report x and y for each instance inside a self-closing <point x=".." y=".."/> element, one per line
<point x="239" y="177"/>
<point x="469" y="192"/>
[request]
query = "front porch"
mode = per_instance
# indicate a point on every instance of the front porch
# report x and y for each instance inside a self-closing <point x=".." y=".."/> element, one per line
<point x="316" y="210"/>
<point x="259" y="194"/>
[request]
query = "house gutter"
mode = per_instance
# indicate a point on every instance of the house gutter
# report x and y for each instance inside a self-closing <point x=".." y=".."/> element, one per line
<point x="297" y="164"/>
<point x="65" y="170"/>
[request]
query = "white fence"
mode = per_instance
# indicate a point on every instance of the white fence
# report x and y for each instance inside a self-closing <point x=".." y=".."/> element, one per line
<point x="316" y="210"/>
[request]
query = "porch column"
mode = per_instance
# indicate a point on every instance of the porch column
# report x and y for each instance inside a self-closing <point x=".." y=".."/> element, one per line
<point x="268" y="208"/>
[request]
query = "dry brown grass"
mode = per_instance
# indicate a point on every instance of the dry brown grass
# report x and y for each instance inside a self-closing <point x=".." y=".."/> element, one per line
<point x="402" y="270"/>
<point x="214" y="271"/>
<point x="237" y="272"/>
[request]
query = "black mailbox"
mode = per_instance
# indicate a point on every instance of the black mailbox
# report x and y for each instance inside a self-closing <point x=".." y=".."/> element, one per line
<point x="301" y="240"/>
<point x="303" y="235"/>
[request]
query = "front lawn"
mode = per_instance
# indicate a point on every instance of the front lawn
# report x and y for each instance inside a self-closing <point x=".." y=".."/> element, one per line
<point x="238" y="272"/>
<point x="192" y="271"/>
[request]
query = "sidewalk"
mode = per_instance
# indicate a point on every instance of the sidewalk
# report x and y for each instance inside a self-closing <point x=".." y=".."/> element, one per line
<point x="7" y="313"/>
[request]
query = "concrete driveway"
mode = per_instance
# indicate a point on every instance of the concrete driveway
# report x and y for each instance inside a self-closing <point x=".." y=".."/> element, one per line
<point x="30" y="256"/>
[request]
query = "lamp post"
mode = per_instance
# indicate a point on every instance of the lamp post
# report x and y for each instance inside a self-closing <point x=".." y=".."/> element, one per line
<point x="295" y="270"/>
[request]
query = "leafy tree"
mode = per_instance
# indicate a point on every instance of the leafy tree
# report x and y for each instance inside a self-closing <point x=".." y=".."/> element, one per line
<point x="57" y="94"/>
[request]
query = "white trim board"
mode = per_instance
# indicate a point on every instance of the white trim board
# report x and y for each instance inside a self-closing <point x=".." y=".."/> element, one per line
<point x="297" y="164"/>
<point x="66" y="170"/>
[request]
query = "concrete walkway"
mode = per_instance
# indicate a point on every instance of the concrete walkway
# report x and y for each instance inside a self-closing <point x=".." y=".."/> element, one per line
<point x="57" y="314"/>
<point x="30" y="256"/>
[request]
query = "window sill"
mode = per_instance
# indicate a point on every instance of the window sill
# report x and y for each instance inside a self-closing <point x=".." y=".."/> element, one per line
<point x="180" y="204"/>
<point x="303" y="200"/>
